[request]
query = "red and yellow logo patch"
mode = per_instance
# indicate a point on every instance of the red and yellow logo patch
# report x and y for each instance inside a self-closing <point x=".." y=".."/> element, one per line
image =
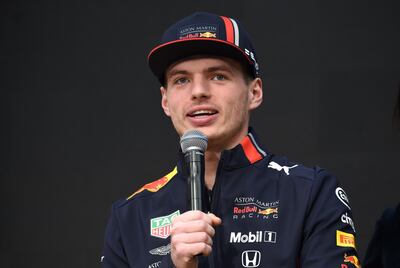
<point x="208" y="35"/>
<point x="268" y="211"/>
<point x="156" y="185"/>
<point x="345" y="239"/>
<point x="353" y="260"/>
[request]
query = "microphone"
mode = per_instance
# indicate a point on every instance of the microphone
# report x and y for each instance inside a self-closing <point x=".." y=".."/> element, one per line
<point x="194" y="144"/>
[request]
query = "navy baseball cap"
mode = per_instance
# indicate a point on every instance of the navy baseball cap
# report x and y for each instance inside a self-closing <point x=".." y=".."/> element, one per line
<point x="203" y="33"/>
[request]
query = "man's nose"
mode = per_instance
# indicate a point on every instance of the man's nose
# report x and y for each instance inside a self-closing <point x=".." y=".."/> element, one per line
<point x="200" y="89"/>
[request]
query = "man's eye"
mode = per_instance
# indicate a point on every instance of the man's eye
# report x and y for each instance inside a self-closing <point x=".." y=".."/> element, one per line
<point x="219" y="77"/>
<point x="181" y="81"/>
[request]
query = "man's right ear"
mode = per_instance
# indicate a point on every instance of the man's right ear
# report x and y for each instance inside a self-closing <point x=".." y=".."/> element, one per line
<point x="164" y="100"/>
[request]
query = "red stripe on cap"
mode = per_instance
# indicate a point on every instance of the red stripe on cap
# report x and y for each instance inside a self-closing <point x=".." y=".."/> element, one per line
<point x="250" y="150"/>
<point x="230" y="37"/>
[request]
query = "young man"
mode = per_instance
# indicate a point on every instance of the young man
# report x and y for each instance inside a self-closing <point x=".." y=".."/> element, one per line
<point x="266" y="211"/>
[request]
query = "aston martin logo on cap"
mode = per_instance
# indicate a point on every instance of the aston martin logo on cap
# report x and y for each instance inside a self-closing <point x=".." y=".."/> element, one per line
<point x="197" y="31"/>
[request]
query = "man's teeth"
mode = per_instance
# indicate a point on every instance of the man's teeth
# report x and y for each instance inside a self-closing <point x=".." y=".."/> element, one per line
<point x="201" y="112"/>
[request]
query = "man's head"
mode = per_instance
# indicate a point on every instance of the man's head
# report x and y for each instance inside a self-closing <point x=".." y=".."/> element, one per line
<point x="208" y="84"/>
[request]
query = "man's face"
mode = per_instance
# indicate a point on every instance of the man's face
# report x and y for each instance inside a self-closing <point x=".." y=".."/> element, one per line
<point x="210" y="94"/>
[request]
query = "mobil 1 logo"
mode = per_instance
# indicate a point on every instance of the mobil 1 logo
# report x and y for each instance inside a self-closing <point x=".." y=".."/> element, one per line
<point x="253" y="237"/>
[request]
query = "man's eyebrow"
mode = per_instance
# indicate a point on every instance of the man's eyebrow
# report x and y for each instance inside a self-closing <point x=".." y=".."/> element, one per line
<point x="219" y="68"/>
<point x="211" y="69"/>
<point x="176" y="72"/>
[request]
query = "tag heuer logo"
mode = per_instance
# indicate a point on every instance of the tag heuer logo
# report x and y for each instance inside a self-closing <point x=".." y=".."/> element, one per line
<point x="161" y="226"/>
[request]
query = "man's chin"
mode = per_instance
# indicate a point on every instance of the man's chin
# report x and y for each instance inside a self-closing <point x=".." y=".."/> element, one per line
<point x="209" y="132"/>
<point x="214" y="137"/>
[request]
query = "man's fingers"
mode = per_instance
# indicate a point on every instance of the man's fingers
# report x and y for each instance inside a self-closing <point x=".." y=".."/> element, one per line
<point x="184" y="250"/>
<point x="191" y="227"/>
<point x="214" y="219"/>
<point x="193" y="215"/>
<point x="197" y="237"/>
<point x="191" y="235"/>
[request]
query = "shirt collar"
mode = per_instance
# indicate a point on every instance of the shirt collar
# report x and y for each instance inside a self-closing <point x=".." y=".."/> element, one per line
<point x="247" y="152"/>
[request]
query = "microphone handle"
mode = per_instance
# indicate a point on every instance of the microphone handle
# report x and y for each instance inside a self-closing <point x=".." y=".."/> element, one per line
<point x="195" y="184"/>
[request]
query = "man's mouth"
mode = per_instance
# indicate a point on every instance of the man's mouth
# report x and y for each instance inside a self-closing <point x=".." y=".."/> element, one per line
<point x="202" y="113"/>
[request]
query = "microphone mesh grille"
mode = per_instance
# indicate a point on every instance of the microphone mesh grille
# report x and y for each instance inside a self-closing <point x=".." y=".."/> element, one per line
<point x="193" y="138"/>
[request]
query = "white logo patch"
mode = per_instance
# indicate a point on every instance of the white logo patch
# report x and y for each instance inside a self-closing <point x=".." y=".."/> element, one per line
<point x="342" y="196"/>
<point x="256" y="237"/>
<point x="278" y="167"/>
<point x="162" y="251"/>
<point x="348" y="220"/>
<point x="155" y="264"/>
<point x="251" y="258"/>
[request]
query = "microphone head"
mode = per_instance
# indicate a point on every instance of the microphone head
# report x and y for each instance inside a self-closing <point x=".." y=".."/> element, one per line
<point x="193" y="140"/>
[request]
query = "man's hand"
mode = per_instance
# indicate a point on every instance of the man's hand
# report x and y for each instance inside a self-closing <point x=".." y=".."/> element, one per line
<point x="191" y="235"/>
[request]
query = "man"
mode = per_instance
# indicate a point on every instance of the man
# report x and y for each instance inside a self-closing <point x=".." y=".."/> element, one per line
<point x="265" y="211"/>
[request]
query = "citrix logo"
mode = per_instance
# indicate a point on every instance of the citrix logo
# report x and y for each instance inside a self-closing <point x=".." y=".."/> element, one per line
<point x="256" y="237"/>
<point x="348" y="220"/>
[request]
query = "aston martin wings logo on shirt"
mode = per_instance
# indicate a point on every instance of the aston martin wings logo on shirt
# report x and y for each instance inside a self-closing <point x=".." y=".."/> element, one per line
<point x="162" y="251"/>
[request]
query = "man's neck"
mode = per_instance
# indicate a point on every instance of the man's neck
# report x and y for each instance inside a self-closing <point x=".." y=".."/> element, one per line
<point x="213" y="155"/>
<point x="211" y="164"/>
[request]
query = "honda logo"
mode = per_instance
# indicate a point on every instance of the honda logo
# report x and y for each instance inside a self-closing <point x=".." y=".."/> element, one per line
<point x="251" y="258"/>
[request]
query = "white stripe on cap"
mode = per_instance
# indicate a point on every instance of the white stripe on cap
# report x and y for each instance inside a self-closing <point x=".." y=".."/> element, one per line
<point x="236" y="30"/>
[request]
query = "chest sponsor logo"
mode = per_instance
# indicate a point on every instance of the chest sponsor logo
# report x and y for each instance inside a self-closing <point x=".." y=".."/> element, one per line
<point x="162" y="251"/>
<point x="345" y="239"/>
<point x="155" y="264"/>
<point x="251" y="258"/>
<point x="253" y="237"/>
<point x="161" y="226"/>
<point x="342" y="196"/>
<point x="278" y="167"/>
<point x="252" y="208"/>
<point x="348" y="220"/>
<point x="353" y="260"/>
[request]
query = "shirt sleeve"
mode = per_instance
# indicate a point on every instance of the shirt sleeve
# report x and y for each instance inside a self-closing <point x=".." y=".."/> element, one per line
<point x="329" y="232"/>
<point x="113" y="252"/>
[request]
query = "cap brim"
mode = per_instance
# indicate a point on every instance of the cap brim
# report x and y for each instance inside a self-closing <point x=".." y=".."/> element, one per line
<point x="161" y="57"/>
